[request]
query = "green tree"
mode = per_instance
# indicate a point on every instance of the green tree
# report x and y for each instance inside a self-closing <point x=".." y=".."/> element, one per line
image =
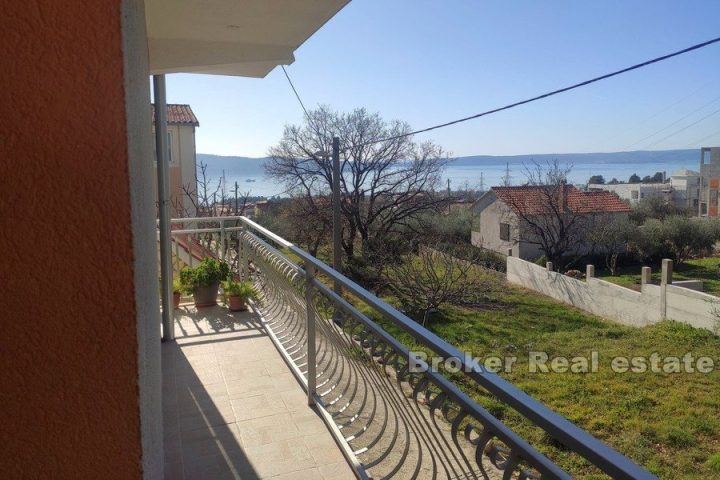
<point x="634" y="178"/>
<point x="597" y="179"/>
<point x="609" y="235"/>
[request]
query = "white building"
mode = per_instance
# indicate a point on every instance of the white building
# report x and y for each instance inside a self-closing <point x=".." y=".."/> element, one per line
<point x="682" y="189"/>
<point x="686" y="186"/>
<point x="183" y="160"/>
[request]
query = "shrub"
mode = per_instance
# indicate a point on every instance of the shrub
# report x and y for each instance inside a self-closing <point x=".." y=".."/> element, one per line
<point x="677" y="237"/>
<point x="209" y="272"/>
<point x="478" y="256"/>
<point x="245" y="290"/>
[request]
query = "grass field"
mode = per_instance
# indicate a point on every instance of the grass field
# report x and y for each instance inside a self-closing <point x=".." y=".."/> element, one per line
<point x="670" y="423"/>
<point x="705" y="269"/>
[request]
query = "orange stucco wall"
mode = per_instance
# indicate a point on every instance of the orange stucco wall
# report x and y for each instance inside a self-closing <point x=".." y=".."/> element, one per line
<point x="68" y="355"/>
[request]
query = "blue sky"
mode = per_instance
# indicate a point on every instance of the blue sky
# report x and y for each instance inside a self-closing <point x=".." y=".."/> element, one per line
<point x="427" y="62"/>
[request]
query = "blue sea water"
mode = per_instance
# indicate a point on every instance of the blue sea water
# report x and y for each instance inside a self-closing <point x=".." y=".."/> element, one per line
<point x="463" y="176"/>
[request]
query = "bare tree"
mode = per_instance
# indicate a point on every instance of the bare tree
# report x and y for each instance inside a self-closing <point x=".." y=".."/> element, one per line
<point x="310" y="221"/>
<point x="542" y="213"/>
<point x="202" y="193"/>
<point x="425" y="281"/>
<point x="387" y="178"/>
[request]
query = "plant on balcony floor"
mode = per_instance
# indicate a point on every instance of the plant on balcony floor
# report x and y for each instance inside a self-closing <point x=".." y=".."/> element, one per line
<point x="238" y="294"/>
<point x="177" y="292"/>
<point x="204" y="280"/>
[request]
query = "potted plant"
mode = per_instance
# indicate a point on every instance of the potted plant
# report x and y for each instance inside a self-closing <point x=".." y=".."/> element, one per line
<point x="238" y="293"/>
<point x="177" y="291"/>
<point x="204" y="280"/>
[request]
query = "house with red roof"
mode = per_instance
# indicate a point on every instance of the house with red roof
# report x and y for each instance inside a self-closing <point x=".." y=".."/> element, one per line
<point x="183" y="161"/>
<point x="509" y="218"/>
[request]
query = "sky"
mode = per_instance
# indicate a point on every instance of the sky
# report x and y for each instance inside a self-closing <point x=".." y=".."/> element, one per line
<point x="427" y="62"/>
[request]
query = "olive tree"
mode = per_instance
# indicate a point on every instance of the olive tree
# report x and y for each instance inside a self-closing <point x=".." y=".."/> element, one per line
<point x="608" y="236"/>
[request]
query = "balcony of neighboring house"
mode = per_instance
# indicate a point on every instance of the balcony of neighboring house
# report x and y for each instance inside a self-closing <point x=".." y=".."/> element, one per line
<point x="237" y="385"/>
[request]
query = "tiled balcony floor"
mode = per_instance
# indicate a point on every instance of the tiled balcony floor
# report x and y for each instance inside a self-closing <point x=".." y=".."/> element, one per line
<point x="232" y="409"/>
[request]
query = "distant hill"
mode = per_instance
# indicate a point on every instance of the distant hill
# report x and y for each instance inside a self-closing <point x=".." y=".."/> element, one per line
<point x="255" y="166"/>
<point x="246" y="165"/>
<point x="663" y="156"/>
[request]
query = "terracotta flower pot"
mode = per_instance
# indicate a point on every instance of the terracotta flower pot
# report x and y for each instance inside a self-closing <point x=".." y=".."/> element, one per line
<point x="236" y="304"/>
<point x="176" y="299"/>
<point x="206" y="296"/>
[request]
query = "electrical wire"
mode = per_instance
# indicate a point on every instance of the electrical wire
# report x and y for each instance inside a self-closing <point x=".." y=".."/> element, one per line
<point x="549" y="94"/>
<point x="297" y="95"/>
<point x="684" y="128"/>
<point x="539" y="97"/>
<point x="671" y="124"/>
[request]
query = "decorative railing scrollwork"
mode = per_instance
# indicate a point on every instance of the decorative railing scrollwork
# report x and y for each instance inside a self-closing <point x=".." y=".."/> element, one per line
<point x="391" y="421"/>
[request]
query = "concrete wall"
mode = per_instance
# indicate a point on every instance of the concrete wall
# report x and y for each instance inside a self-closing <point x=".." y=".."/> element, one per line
<point x="614" y="302"/>
<point x="72" y="388"/>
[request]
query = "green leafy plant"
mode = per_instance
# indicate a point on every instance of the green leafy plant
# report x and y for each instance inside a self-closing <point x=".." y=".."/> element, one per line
<point x="177" y="286"/>
<point x="209" y="272"/>
<point x="245" y="290"/>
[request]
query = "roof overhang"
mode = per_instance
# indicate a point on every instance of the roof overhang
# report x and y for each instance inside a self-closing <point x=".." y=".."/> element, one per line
<point x="231" y="37"/>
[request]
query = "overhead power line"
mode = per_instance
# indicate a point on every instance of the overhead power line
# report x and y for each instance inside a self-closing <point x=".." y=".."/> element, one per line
<point x="550" y="94"/>
<point x="529" y="100"/>
<point x="671" y="124"/>
<point x="297" y="95"/>
<point x="684" y="128"/>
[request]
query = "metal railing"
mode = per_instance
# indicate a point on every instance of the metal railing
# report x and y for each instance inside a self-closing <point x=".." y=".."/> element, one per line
<point x="390" y="420"/>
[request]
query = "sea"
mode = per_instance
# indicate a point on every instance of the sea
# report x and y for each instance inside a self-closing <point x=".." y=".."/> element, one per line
<point x="478" y="172"/>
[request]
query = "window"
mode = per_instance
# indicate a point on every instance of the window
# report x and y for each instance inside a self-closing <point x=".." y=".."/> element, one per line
<point x="169" y="146"/>
<point x="505" y="232"/>
<point x="634" y="194"/>
<point x="695" y="203"/>
<point x="170" y="150"/>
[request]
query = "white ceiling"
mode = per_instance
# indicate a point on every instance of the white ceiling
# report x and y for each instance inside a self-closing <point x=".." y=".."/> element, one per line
<point x="231" y="37"/>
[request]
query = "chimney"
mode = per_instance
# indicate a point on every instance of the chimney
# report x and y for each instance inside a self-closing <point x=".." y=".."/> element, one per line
<point x="562" y="196"/>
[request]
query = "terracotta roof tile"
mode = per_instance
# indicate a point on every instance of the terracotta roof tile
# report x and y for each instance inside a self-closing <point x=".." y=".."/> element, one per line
<point x="530" y="200"/>
<point x="179" y="114"/>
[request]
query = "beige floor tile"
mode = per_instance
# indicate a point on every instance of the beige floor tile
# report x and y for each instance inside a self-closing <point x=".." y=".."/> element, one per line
<point x="279" y="458"/>
<point x="336" y="471"/>
<point x="264" y="430"/>
<point x="217" y="414"/>
<point x="323" y="448"/>
<point x="249" y="387"/>
<point x="233" y="409"/>
<point x="309" y="474"/>
<point x="258" y="406"/>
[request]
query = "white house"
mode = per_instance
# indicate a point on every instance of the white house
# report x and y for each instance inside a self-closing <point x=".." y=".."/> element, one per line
<point x="502" y="215"/>
<point x="183" y="160"/>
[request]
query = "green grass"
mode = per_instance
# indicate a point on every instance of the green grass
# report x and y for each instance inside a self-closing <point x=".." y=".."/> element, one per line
<point x="705" y="269"/>
<point x="669" y="423"/>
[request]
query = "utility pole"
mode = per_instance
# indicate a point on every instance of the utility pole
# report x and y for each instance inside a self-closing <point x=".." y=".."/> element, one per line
<point x="482" y="183"/>
<point x="507" y="178"/>
<point x="448" y="187"/>
<point x="236" y="198"/>
<point x="337" y="219"/>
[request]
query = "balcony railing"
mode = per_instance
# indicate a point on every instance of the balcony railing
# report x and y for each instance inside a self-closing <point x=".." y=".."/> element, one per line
<point x="389" y="420"/>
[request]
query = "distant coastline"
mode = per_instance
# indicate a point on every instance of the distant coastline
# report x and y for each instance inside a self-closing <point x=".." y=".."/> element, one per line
<point x="466" y="171"/>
